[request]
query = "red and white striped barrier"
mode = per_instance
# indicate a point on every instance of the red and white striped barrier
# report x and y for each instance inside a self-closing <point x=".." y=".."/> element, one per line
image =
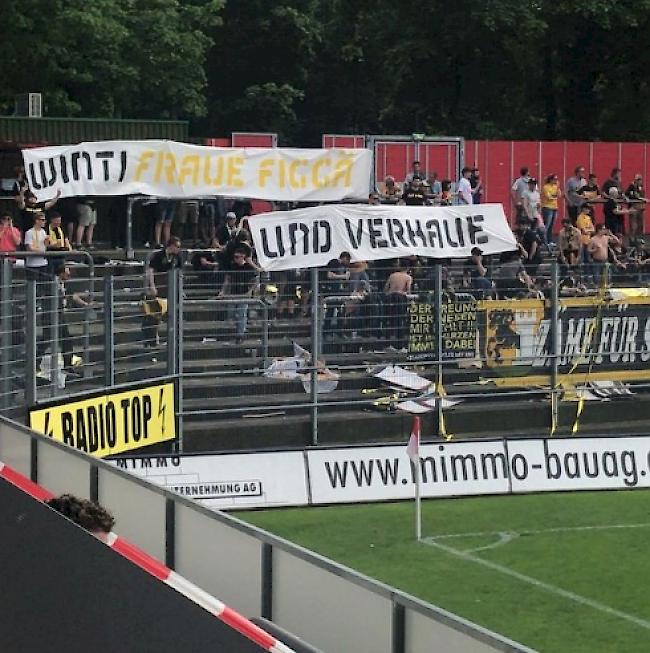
<point x="163" y="573"/>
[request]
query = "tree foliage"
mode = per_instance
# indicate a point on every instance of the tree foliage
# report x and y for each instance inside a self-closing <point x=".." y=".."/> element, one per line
<point x="494" y="69"/>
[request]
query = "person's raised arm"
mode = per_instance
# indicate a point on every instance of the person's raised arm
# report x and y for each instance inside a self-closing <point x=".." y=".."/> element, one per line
<point x="50" y="203"/>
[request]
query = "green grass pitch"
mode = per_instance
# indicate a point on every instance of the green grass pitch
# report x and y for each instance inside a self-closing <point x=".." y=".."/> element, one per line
<point x="561" y="573"/>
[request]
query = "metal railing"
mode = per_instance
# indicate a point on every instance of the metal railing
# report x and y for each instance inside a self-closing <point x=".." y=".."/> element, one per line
<point x="308" y="346"/>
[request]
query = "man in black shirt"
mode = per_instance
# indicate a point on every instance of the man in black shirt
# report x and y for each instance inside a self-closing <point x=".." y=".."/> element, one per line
<point x="530" y="241"/>
<point x="636" y="194"/>
<point x="240" y="281"/>
<point x="415" y="194"/>
<point x="29" y="207"/>
<point x="333" y="281"/>
<point x="155" y="307"/>
<point x="613" y="212"/>
<point x="614" y="181"/>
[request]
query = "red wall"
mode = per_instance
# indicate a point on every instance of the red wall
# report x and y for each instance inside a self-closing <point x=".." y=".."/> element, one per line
<point x="499" y="163"/>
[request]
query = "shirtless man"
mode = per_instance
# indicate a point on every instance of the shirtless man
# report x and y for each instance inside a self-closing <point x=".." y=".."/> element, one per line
<point x="397" y="286"/>
<point x="598" y="249"/>
<point x="399" y="282"/>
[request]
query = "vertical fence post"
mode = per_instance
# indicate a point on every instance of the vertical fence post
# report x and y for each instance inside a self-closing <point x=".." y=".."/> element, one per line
<point x="315" y="349"/>
<point x="438" y="318"/>
<point x="30" y="342"/>
<point x="555" y="345"/>
<point x="180" y="323"/>
<point x="265" y="333"/>
<point x="129" y="228"/>
<point x="109" y="331"/>
<point x="6" y="330"/>
<point x="53" y="323"/>
<point x="172" y="322"/>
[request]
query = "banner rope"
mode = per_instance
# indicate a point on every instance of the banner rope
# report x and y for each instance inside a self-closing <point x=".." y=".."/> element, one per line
<point x="588" y="344"/>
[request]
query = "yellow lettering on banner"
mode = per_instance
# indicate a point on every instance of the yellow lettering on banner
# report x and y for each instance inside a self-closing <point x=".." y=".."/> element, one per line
<point x="111" y="423"/>
<point x="170" y="168"/>
<point x="282" y="180"/>
<point x="300" y="181"/>
<point x="235" y="164"/>
<point x="317" y="181"/>
<point x="264" y="171"/>
<point x="217" y="180"/>
<point x="165" y="164"/>
<point x="143" y="164"/>
<point x="343" y="172"/>
<point x="189" y="168"/>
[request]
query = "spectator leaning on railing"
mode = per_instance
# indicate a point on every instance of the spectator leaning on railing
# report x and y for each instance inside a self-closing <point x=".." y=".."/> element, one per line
<point x="573" y="198"/>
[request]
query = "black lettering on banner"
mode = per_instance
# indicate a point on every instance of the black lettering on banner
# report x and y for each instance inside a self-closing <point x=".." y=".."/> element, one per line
<point x="161" y="461"/>
<point x="631" y="478"/>
<point x="450" y="241"/>
<point x="136" y="424"/>
<point x="492" y="459"/>
<point x="376" y="241"/>
<point x="67" y="428"/>
<point x="464" y="461"/>
<point x="610" y="457"/>
<point x="63" y="162"/>
<point x="476" y="234"/>
<point x="104" y="157"/>
<point x="33" y="182"/>
<point x="102" y="428"/>
<point x="125" y="418"/>
<point x="459" y="231"/>
<point x="391" y="235"/>
<point x="265" y="244"/>
<point x="399" y="231"/>
<point x="355" y="239"/>
<point x="111" y="424"/>
<point x="52" y="180"/>
<point x="293" y="228"/>
<point x="443" y="464"/>
<point x="416" y="232"/>
<point x="519" y="467"/>
<point x="75" y="165"/>
<point x="146" y="415"/>
<point x="571" y="465"/>
<point x="278" y="240"/>
<point x="123" y="160"/>
<point x="145" y="462"/>
<point x="552" y="459"/>
<point x="82" y="442"/>
<point x="93" y="429"/>
<point x="176" y="461"/>
<point x="434" y="233"/>
<point x="327" y="245"/>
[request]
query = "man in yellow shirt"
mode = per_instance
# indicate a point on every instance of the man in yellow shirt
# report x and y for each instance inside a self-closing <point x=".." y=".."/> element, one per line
<point x="550" y="194"/>
<point x="585" y="223"/>
<point x="58" y="240"/>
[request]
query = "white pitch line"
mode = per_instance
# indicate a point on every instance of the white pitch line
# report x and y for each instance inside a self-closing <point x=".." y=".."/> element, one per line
<point x="553" y="589"/>
<point x="559" y="529"/>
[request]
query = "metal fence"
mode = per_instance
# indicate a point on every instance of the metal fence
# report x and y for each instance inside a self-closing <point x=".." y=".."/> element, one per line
<point x="320" y="344"/>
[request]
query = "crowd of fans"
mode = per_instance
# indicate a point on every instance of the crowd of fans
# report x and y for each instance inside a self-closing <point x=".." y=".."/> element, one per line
<point x="228" y="269"/>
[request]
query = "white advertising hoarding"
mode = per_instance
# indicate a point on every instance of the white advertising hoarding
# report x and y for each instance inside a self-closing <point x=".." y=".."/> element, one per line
<point x="228" y="481"/>
<point x="385" y="472"/>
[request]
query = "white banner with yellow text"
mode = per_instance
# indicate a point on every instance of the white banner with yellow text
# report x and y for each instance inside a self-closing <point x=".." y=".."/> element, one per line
<point x="170" y="169"/>
<point x="312" y="237"/>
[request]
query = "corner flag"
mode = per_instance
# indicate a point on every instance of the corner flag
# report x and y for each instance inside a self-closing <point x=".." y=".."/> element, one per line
<point x="413" y="447"/>
<point x="413" y="452"/>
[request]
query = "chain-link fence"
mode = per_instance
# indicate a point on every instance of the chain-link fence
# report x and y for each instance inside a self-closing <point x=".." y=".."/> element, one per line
<point x="297" y="350"/>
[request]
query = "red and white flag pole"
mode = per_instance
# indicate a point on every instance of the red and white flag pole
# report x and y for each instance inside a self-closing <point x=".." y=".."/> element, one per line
<point x="413" y="451"/>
